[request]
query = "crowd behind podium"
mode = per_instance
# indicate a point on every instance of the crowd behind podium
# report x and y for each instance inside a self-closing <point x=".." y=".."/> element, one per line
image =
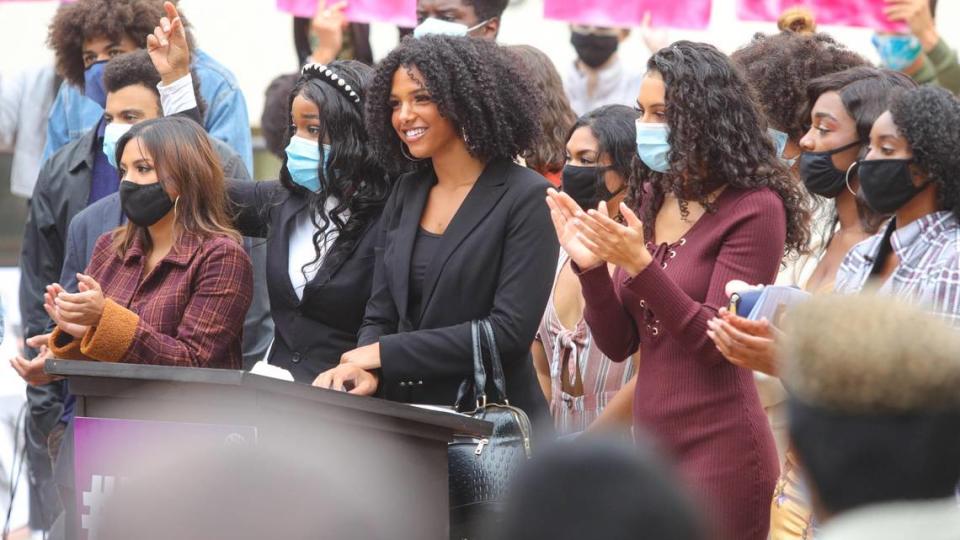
<point x="605" y="220"/>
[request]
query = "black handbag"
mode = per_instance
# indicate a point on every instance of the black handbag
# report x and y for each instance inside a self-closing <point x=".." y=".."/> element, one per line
<point x="480" y="469"/>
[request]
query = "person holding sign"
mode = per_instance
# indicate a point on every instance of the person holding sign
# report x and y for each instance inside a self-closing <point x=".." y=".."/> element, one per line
<point x="711" y="202"/>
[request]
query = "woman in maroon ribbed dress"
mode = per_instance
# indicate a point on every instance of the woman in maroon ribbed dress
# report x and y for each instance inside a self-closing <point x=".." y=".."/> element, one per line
<point x="714" y="204"/>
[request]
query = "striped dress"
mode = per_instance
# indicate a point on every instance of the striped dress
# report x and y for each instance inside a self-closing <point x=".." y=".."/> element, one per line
<point x="582" y="379"/>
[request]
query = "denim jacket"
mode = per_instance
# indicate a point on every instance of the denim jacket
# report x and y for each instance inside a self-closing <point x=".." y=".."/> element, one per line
<point x="73" y="114"/>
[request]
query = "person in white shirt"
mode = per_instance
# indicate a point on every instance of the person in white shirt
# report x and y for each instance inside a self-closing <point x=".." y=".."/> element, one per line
<point x="599" y="76"/>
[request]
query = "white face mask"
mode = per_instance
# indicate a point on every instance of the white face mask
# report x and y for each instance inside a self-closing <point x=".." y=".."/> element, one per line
<point x="439" y="27"/>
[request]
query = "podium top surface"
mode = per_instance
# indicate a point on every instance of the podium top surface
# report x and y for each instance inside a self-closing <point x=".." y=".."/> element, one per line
<point x="105" y="371"/>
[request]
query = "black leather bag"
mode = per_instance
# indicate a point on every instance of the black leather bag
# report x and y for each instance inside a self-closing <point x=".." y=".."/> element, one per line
<point x="481" y="469"/>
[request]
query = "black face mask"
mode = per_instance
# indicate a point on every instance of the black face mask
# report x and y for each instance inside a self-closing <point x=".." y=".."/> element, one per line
<point x="144" y="205"/>
<point x="592" y="49"/>
<point x="820" y="175"/>
<point x="887" y="184"/>
<point x="585" y="185"/>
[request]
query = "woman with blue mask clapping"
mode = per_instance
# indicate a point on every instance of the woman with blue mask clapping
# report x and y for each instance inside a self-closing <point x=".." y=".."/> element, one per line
<point x="709" y="201"/>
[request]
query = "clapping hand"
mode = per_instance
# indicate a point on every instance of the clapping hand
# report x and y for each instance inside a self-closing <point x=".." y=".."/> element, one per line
<point x="168" y="46"/>
<point x="32" y="371"/>
<point x="50" y="306"/>
<point x="83" y="308"/>
<point x="746" y="343"/>
<point x="563" y="212"/>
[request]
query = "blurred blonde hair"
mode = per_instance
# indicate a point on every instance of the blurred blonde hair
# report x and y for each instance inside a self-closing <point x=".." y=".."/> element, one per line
<point x="799" y="20"/>
<point x="871" y="354"/>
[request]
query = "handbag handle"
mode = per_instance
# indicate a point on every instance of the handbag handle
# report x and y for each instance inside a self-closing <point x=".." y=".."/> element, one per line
<point x="482" y="331"/>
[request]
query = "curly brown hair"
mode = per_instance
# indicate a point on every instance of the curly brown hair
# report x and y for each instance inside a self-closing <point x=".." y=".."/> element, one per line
<point x="717" y="138"/>
<point x="780" y="66"/>
<point x="79" y="21"/>
<point x="548" y="154"/>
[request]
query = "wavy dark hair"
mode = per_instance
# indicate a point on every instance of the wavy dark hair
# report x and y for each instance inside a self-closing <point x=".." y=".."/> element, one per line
<point x="928" y="118"/>
<point x="185" y="159"/>
<point x="615" y="128"/>
<point x="547" y="154"/>
<point x="353" y="176"/>
<point x="779" y="67"/>
<point x="474" y="82"/>
<point x="717" y="138"/>
<point x="79" y="21"/>
<point x="866" y="92"/>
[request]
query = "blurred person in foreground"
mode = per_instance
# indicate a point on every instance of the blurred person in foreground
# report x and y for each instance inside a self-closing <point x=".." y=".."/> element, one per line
<point x="875" y="417"/>
<point x="598" y="488"/>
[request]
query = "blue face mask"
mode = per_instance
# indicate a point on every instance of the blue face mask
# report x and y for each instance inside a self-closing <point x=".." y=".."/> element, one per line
<point x="652" y="146"/>
<point x="303" y="162"/>
<point x="112" y="134"/>
<point x="897" y="51"/>
<point x="93" y="83"/>
<point x="780" y="139"/>
<point x="433" y="26"/>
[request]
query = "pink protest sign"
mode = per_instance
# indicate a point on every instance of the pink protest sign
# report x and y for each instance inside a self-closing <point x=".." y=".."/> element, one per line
<point x="690" y="14"/>
<point x="399" y="12"/>
<point x="865" y="13"/>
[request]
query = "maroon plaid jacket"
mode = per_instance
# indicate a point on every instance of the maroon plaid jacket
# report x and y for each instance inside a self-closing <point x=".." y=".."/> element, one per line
<point x="188" y="311"/>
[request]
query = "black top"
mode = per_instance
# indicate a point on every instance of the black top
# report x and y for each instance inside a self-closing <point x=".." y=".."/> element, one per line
<point x="495" y="261"/>
<point x="424" y="249"/>
<point x="312" y="332"/>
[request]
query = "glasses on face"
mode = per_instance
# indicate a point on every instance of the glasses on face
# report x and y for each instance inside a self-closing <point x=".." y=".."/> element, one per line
<point x="594" y="30"/>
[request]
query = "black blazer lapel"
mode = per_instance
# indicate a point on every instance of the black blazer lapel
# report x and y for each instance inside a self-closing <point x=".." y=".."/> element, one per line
<point x="478" y="203"/>
<point x="328" y="269"/>
<point x="400" y="248"/>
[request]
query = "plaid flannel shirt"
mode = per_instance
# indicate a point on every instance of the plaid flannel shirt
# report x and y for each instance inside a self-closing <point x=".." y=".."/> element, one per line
<point x="929" y="268"/>
<point x="188" y="311"/>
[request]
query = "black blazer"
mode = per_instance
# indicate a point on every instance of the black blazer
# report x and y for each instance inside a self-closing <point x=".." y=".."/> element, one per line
<point x="311" y="333"/>
<point x="496" y="260"/>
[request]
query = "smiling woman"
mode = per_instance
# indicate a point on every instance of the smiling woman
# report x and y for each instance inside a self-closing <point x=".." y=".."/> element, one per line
<point x="465" y="234"/>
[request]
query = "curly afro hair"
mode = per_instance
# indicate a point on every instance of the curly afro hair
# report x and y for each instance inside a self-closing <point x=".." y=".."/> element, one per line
<point x="717" y="138"/>
<point x="929" y="118"/>
<point x="475" y="83"/>
<point x="136" y="67"/>
<point x="780" y="66"/>
<point x="76" y="22"/>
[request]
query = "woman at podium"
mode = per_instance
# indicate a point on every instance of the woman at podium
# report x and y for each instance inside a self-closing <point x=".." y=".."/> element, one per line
<point x="465" y="235"/>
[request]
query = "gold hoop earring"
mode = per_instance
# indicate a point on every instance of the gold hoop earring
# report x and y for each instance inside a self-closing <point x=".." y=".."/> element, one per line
<point x="406" y="154"/>
<point x="846" y="178"/>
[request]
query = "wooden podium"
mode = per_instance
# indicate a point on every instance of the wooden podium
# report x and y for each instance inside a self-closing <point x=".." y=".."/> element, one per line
<point x="335" y="465"/>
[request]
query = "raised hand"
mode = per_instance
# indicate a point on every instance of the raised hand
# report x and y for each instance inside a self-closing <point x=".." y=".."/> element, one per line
<point x="917" y="14"/>
<point x="168" y="46"/>
<point x="563" y="210"/>
<point x="654" y="38"/>
<point x="328" y="26"/>
<point x="621" y="245"/>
